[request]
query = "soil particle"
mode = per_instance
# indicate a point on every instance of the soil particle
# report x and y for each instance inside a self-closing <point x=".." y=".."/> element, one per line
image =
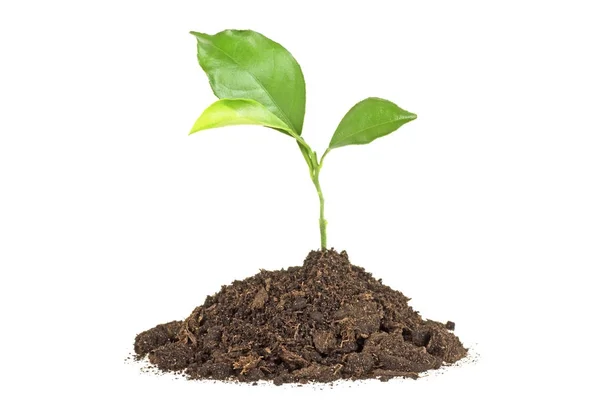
<point x="321" y="322"/>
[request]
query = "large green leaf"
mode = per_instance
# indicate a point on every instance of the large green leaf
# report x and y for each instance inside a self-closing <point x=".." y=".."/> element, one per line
<point x="243" y="64"/>
<point x="368" y="120"/>
<point x="227" y="112"/>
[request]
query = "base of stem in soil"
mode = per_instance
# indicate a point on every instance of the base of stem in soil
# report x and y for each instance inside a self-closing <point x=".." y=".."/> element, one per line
<point x="323" y="321"/>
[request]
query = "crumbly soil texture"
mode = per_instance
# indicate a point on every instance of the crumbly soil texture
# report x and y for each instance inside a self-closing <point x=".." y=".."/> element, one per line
<point x="321" y="322"/>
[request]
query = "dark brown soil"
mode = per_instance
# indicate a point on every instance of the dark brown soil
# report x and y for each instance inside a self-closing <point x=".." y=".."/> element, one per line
<point x="324" y="321"/>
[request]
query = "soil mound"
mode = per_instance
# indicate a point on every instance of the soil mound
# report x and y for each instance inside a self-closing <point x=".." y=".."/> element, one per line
<point x="324" y="321"/>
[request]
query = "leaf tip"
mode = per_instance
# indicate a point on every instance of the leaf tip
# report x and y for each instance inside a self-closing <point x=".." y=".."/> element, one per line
<point x="199" y="36"/>
<point x="408" y="116"/>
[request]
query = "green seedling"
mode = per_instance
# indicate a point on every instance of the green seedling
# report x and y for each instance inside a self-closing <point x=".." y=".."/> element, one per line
<point x="259" y="82"/>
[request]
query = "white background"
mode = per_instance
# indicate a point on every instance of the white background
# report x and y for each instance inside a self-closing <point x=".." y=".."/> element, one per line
<point x="485" y="210"/>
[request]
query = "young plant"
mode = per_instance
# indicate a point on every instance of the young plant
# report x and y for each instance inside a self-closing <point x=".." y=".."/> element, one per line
<point x="259" y="82"/>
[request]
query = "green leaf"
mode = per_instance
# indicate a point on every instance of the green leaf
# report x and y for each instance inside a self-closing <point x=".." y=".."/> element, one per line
<point x="243" y="64"/>
<point x="368" y="120"/>
<point x="228" y="112"/>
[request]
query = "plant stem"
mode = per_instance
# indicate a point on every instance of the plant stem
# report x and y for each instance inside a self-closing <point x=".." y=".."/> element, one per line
<point x="315" y="178"/>
<point x="322" y="221"/>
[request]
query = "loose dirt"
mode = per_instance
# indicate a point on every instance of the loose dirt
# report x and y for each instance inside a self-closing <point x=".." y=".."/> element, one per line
<point x="321" y="322"/>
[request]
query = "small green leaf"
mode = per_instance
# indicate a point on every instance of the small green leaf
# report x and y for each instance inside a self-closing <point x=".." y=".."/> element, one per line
<point x="243" y="64"/>
<point x="227" y="112"/>
<point x="368" y="120"/>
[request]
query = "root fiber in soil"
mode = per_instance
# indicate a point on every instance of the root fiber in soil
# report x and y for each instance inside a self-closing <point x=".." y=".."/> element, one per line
<point x="321" y="322"/>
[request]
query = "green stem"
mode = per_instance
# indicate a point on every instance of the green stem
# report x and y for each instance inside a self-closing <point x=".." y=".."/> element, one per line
<point x="315" y="178"/>
<point x="322" y="221"/>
